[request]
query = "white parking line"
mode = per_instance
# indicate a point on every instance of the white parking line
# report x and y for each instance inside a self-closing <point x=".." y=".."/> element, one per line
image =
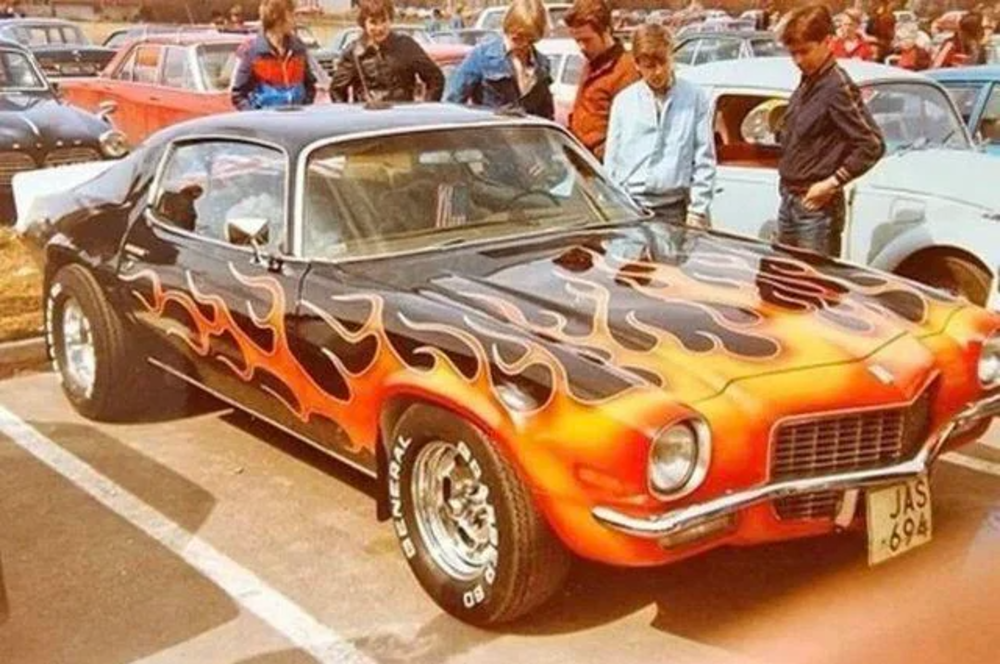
<point x="988" y="467"/>
<point x="242" y="585"/>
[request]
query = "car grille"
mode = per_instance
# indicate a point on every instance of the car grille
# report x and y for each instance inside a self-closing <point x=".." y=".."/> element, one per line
<point x="12" y="163"/>
<point x="826" y="445"/>
<point x="65" y="156"/>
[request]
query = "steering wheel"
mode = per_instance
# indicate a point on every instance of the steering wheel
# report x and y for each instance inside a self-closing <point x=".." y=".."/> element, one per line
<point x="530" y="192"/>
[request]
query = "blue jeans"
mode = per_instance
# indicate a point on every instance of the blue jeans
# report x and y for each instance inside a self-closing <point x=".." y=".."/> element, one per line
<point x="815" y="230"/>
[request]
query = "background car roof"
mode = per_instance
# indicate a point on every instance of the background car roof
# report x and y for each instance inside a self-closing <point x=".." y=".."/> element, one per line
<point x="780" y="73"/>
<point x="729" y="34"/>
<point x="976" y="73"/>
<point x="36" y="21"/>
<point x="191" y="38"/>
<point x="13" y="45"/>
<point x="296" y="128"/>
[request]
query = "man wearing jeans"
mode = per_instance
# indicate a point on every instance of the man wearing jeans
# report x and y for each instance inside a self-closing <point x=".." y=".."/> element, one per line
<point x="828" y="138"/>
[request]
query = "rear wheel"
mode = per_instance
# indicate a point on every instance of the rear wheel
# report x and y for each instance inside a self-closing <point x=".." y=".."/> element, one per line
<point x="953" y="274"/>
<point x="466" y="522"/>
<point x="90" y="349"/>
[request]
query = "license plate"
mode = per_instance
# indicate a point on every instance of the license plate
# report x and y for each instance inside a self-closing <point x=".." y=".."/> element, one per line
<point x="899" y="519"/>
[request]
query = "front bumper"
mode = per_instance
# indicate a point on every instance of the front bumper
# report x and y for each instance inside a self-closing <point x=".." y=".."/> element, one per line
<point x="670" y="523"/>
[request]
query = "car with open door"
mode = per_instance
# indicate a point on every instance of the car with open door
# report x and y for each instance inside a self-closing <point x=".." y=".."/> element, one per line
<point x="460" y="305"/>
<point x="928" y="210"/>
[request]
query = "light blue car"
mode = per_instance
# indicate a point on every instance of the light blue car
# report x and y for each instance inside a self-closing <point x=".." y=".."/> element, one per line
<point x="976" y="92"/>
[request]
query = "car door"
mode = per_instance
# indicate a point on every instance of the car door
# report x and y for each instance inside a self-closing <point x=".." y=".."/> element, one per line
<point x="178" y="98"/>
<point x="746" y="196"/>
<point x="214" y="305"/>
<point x="130" y="87"/>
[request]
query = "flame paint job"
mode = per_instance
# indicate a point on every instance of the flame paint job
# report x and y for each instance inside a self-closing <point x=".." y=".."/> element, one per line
<point x="605" y="337"/>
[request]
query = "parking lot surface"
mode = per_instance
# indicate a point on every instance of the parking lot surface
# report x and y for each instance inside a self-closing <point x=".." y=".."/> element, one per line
<point x="209" y="537"/>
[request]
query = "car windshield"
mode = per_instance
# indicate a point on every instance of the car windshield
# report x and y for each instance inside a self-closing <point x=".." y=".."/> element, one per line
<point x="915" y="115"/>
<point x="414" y="191"/>
<point x="217" y="63"/>
<point x="18" y="73"/>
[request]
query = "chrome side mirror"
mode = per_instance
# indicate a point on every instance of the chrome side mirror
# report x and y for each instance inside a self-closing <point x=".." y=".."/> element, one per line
<point x="247" y="231"/>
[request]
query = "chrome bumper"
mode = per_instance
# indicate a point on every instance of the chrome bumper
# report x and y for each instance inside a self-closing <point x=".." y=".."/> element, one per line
<point x="669" y="523"/>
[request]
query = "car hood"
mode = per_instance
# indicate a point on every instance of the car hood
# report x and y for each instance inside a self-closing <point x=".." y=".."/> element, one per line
<point x="687" y="311"/>
<point x="965" y="176"/>
<point x="37" y="119"/>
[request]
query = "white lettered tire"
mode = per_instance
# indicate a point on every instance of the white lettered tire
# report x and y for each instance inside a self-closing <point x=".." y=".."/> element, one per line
<point x="466" y="522"/>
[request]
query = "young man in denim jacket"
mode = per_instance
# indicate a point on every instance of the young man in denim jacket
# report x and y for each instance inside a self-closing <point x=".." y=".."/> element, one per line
<point x="508" y="72"/>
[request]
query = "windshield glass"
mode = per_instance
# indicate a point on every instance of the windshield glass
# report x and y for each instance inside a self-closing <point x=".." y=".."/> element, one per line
<point x="18" y="73"/>
<point x="217" y="63"/>
<point x="913" y="115"/>
<point x="418" y="190"/>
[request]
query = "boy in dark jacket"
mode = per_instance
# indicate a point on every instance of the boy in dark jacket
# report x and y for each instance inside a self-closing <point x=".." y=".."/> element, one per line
<point x="382" y="65"/>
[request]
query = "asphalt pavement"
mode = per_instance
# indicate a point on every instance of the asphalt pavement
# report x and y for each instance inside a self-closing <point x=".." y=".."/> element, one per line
<point x="211" y="537"/>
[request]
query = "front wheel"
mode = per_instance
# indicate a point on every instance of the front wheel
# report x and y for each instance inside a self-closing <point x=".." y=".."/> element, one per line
<point x="90" y="347"/>
<point x="466" y="521"/>
<point x="953" y="274"/>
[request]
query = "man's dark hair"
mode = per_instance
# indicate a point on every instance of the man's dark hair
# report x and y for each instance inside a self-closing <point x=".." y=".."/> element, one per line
<point x="375" y="9"/>
<point x="595" y="13"/>
<point x="811" y="23"/>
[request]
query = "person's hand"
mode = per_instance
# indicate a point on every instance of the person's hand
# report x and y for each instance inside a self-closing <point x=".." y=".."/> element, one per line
<point x="820" y="194"/>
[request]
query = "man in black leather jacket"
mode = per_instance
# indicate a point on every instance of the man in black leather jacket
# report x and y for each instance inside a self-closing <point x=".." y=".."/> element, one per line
<point x="383" y="65"/>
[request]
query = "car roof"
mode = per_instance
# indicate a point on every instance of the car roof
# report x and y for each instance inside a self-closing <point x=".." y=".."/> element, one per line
<point x="557" y="45"/>
<point x="975" y="73"/>
<point x="191" y="38"/>
<point x="780" y="73"/>
<point x="36" y="21"/>
<point x="321" y="121"/>
<point x="12" y="45"/>
<point x="734" y="34"/>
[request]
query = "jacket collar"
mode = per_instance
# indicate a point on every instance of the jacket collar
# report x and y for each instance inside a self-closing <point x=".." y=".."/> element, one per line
<point x="607" y="59"/>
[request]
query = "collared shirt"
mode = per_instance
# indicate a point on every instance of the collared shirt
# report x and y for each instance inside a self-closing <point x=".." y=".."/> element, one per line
<point x="828" y="131"/>
<point x="661" y="156"/>
<point x="524" y="72"/>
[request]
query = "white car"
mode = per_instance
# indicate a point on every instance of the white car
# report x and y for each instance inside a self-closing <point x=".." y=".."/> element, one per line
<point x="566" y="66"/>
<point x="929" y="210"/>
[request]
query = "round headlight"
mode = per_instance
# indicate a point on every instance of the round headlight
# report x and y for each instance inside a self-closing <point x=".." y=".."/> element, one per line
<point x="989" y="362"/>
<point x="114" y="144"/>
<point x="678" y="459"/>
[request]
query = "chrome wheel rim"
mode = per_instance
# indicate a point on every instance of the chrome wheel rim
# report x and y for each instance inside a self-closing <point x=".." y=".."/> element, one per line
<point x="453" y="511"/>
<point x="79" y="356"/>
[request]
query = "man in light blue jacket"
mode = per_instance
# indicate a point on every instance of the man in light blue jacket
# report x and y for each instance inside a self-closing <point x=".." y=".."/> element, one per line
<point x="660" y="140"/>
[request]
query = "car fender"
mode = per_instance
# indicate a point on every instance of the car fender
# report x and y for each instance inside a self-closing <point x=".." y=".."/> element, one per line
<point x="978" y="238"/>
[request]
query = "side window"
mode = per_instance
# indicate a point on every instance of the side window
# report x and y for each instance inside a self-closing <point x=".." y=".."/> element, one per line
<point x="746" y="129"/>
<point x="685" y="53"/>
<point x="965" y="97"/>
<point x="715" y="50"/>
<point x="989" y="124"/>
<point x="176" y="69"/>
<point x="126" y="70"/>
<point x="147" y="64"/>
<point x="207" y="184"/>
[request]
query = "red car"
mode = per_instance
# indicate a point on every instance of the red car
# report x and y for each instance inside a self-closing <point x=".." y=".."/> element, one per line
<point x="161" y="80"/>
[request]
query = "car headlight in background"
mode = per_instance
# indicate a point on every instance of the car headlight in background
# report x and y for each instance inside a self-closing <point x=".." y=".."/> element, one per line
<point x="114" y="144"/>
<point x="678" y="458"/>
<point x="989" y="362"/>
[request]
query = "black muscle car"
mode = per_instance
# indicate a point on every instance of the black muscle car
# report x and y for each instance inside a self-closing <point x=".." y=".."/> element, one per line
<point x="461" y="306"/>
<point x="37" y="130"/>
<point x="61" y="47"/>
